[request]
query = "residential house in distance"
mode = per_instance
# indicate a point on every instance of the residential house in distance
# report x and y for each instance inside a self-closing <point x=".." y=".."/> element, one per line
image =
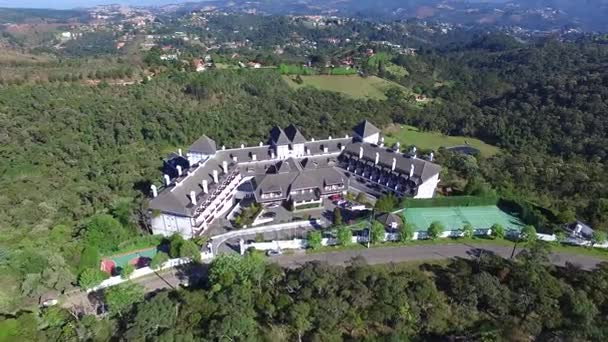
<point x="205" y="183"/>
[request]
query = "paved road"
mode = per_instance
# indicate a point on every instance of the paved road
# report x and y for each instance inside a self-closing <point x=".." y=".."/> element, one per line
<point x="174" y="277"/>
<point x="417" y="253"/>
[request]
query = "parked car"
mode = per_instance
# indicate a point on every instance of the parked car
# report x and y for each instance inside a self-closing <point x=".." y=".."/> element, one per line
<point x="335" y="197"/>
<point x="341" y="202"/>
<point x="273" y="252"/>
<point x="273" y="205"/>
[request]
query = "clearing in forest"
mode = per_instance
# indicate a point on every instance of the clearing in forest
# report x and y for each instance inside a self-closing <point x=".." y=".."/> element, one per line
<point x="352" y="85"/>
<point x="409" y="135"/>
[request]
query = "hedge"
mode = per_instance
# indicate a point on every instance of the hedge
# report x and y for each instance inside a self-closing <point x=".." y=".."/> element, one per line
<point x="453" y="201"/>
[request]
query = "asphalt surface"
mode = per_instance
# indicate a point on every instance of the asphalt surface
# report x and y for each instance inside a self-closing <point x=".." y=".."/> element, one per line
<point x="175" y="277"/>
<point x="417" y="253"/>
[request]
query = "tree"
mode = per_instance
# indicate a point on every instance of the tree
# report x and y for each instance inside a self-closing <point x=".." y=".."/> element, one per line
<point x="152" y="316"/>
<point x="189" y="249"/>
<point x="498" y="231"/>
<point x="158" y="260"/>
<point x="361" y="198"/>
<point x="378" y="232"/>
<point x="104" y="233"/>
<point x="345" y="236"/>
<point x="91" y="277"/>
<point x="337" y="217"/>
<point x="406" y="232"/>
<point x="528" y="234"/>
<point x="314" y="239"/>
<point x="120" y="298"/>
<point x="386" y="203"/>
<point x="599" y="237"/>
<point x="127" y="270"/>
<point x="468" y="230"/>
<point x="435" y="230"/>
<point x="299" y="318"/>
<point x="175" y="244"/>
<point x="89" y="258"/>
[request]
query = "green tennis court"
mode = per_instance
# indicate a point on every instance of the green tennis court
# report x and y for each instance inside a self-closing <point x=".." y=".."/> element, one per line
<point x="454" y="218"/>
<point x="124" y="259"/>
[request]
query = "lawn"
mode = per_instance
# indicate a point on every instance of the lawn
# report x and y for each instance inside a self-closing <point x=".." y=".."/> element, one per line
<point x="408" y="135"/>
<point x="355" y="86"/>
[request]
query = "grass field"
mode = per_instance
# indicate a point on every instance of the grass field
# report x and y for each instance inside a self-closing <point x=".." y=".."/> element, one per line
<point x="408" y="135"/>
<point x="355" y="86"/>
<point x="454" y="218"/>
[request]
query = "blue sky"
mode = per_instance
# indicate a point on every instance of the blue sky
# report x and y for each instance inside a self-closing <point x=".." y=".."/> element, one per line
<point x="63" y="4"/>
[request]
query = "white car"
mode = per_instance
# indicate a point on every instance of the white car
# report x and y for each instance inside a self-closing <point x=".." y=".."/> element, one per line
<point x="274" y="252"/>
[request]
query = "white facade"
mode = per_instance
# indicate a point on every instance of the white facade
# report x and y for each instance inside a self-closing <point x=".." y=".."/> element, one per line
<point x="194" y="157"/>
<point x="297" y="150"/>
<point x="427" y="189"/>
<point x="282" y="151"/>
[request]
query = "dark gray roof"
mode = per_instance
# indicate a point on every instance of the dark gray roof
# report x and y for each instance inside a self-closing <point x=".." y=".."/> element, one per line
<point x="278" y="137"/>
<point x="204" y="145"/>
<point x="304" y="181"/>
<point x="294" y="135"/>
<point x="387" y="219"/>
<point x="364" y="129"/>
<point x="423" y="170"/>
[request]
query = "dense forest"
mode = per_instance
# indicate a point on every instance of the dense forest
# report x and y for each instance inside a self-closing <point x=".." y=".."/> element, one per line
<point x="78" y="159"/>
<point x="244" y="299"/>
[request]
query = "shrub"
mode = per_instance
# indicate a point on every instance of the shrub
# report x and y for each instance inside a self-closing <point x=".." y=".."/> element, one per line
<point x="377" y="232"/>
<point x="337" y="217"/>
<point x="314" y="239"/>
<point x="435" y="230"/>
<point x="127" y="271"/>
<point x="158" y="259"/>
<point x="528" y="234"/>
<point x="91" y="277"/>
<point x="406" y="232"/>
<point x="498" y="231"/>
<point x="345" y="236"/>
<point x="468" y="230"/>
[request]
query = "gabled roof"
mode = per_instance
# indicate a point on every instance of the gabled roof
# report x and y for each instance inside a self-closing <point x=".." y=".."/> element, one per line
<point x="204" y="145"/>
<point x="303" y="181"/>
<point x="278" y="137"/>
<point x="294" y="135"/>
<point x="388" y="219"/>
<point x="364" y="129"/>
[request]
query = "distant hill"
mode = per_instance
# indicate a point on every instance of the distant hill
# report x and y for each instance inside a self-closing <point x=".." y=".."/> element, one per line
<point x="31" y="16"/>
<point x="588" y="15"/>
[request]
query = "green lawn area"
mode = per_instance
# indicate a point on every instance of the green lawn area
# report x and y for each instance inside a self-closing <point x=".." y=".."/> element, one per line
<point x="409" y="135"/>
<point x="355" y="86"/>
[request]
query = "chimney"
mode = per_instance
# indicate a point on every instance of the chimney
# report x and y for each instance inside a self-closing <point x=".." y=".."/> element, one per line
<point x="205" y="186"/>
<point x="381" y="144"/>
<point x="342" y="148"/>
<point x="306" y="150"/>
<point x="394" y="164"/>
<point x="154" y="190"/>
<point x="360" y="152"/>
<point x="414" y="149"/>
<point x="431" y="156"/>
<point x="272" y="156"/>
<point x="179" y="151"/>
<point x="325" y="149"/>
<point x="329" y="138"/>
<point x="215" y="179"/>
<point x="167" y="179"/>
<point x="346" y="136"/>
<point x="254" y="157"/>
<point x="235" y="159"/>
<point x="312" y="139"/>
<point x="179" y="170"/>
<point x="193" y="197"/>
<point x="225" y="166"/>
<point x="382" y="140"/>
<point x="261" y="144"/>
<point x="223" y="147"/>
<point x="412" y="170"/>
<point x="397" y="146"/>
<point x="377" y="158"/>
<point x="242" y="145"/>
